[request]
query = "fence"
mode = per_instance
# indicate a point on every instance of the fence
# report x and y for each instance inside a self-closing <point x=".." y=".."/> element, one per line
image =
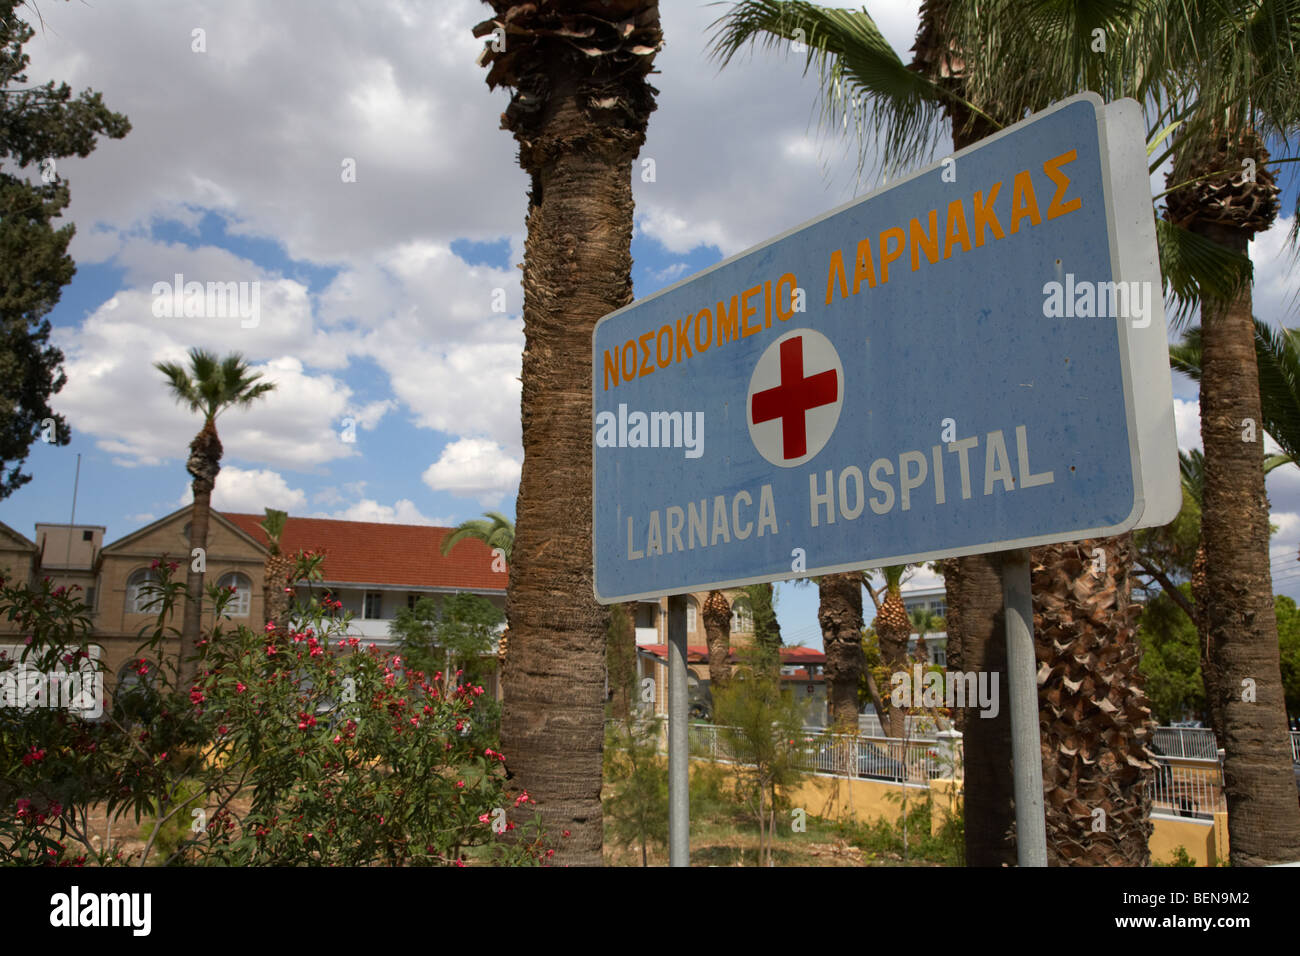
<point x="1187" y="780"/>
<point x="1190" y="788"/>
<point x="1199" y="743"/>
<point x="878" y="758"/>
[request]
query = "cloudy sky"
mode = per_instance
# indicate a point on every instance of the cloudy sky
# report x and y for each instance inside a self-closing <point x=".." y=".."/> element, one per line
<point x="381" y="299"/>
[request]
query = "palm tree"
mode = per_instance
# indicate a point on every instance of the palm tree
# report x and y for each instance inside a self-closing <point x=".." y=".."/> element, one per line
<point x="497" y="532"/>
<point x="924" y="621"/>
<point x="276" y="570"/>
<point x="717" y="631"/>
<point x="209" y="386"/>
<point x="840" y="615"/>
<point x="1093" y="712"/>
<point x="893" y="627"/>
<point x="579" y="110"/>
<point x="1192" y="464"/>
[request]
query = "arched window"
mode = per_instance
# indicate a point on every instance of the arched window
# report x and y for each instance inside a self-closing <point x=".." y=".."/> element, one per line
<point x="742" y="618"/>
<point x="138" y="597"/>
<point x="242" y="602"/>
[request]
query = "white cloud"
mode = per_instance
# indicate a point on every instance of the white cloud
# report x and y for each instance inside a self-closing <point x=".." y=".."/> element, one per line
<point x="250" y="491"/>
<point x="403" y="512"/>
<point x="671" y="273"/>
<point x="1187" y="423"/>
<point x="474" y="468"/>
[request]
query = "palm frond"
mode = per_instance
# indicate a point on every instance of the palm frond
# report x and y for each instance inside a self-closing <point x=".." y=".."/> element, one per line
<point x="1277" y="353"/>
<point x="1193" y="267"/>
<point x="1191" y="465"/>
<point x="864" y="81"/>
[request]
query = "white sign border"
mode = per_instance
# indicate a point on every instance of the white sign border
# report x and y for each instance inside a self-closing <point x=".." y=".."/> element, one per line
<point x="1127" y="341"/>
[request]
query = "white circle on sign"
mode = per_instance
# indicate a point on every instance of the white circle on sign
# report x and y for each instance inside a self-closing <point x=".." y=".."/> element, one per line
<point x="795" y="396"/>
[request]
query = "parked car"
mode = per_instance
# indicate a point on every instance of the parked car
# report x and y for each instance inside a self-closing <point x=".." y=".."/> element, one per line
<point x="874" y="762"/>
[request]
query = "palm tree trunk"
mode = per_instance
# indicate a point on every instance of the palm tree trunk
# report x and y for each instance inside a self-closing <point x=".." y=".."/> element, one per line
<point x="191" y="624"/>
<point x="840" y="616"/>
<point x="1210" y="677"/>
<point x="976" y="629"/>
<point x="579" y="126"/>
<point x="620" y="659"/>
<point x="204" y="464"/>
<point x="1263" y="819"/>
<point x="1093" y="714"/>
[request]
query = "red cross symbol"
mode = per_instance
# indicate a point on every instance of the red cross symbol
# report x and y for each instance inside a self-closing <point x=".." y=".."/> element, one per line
<point x="793" y="397"/>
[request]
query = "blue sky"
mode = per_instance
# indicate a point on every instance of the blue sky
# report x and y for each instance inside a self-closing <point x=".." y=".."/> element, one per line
<point x="377" y="296"/>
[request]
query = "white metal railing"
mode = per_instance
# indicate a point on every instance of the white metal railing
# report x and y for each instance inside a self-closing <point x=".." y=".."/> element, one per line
<point x="1194" y="742"/>
<point x="1182" y="785"/>
<point x="881" y="758"/>
<point x="1189" y="788"/>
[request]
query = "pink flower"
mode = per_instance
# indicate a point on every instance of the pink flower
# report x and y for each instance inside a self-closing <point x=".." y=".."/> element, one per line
<point x="270" y="650"/>
<point x="33" y="756"/>
<point x="566" y="832"/>
<point x="24" y="808"/>
<point x="460" y="784"/>
<point x="288" y="590"/>
<point x="223" y="730"/>
<point x="172" y="565"/>
<point x="459" y="863"/>
<point x="239" y="687"/>
<point x="483" y="818"/>
<point x="270" y="626"/>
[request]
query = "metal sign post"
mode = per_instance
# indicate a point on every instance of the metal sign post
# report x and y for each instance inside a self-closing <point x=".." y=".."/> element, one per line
<point x="679" y="810"/>
<point x="1022" y="681"/>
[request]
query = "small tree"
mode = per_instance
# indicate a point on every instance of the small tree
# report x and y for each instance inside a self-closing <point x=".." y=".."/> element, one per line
<point x="761" y="726"/>
<point x="450" y="636"/>
<point x="636" y="811"/>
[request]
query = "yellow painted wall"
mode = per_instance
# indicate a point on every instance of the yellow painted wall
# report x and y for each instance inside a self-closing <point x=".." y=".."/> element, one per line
<point x="838" y="798"/>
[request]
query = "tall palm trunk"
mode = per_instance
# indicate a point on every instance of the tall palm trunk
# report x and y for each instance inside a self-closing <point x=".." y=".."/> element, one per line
<point x="1263" y="820"/>
<point x="1093" y="715"/>
<point x="975" y="623"/>
<point x="1210" y="677"/>
<point x="717" y="634"/>
<point x="203" y="465"/>
<point x="840" y="616"/>
<point x="1241" y="629"/>
<point x="620" y="660"/>
<point x="579" y="114"/>
<point x="976" y="644"/>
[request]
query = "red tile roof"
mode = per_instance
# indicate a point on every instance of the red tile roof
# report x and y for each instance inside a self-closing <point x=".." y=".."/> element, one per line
<point x="365" y="552"/>
<point x="697" y="654"/>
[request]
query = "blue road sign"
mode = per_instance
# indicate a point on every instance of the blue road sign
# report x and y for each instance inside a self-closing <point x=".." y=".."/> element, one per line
<point x="944" y="367"/>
